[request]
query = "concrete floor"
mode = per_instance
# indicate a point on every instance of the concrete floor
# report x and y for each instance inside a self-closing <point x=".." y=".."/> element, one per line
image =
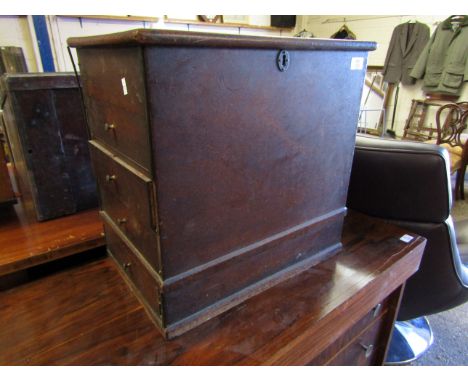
<point x="450" y="347"/>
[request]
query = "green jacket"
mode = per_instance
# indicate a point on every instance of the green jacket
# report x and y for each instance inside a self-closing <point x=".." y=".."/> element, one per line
<point x="443" y="62"/>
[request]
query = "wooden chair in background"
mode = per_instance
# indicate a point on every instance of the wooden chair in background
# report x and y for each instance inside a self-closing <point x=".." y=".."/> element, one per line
<point x="416" y="126"/>
<point x="451" y="120"/>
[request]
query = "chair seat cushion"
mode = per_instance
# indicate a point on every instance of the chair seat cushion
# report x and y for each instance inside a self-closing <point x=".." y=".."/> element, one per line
<point x="455" y="162"/>
<point x="455" y="153"/>
<point x="453" y="150"/>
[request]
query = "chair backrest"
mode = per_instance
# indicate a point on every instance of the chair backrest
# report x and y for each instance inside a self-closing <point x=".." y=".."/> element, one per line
<point x="451" y="121"/>
<point x="408" y="184"/>
<point x="463" y="105"/>
<point x="400" y="180"/>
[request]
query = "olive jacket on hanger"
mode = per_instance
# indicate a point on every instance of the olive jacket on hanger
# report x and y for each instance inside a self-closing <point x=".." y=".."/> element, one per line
<point x="407" y="42"/>
<point x="443" y="63"/>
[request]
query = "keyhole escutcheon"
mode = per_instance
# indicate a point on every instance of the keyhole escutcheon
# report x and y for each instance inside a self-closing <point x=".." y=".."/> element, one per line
<point x="283" y="60"/>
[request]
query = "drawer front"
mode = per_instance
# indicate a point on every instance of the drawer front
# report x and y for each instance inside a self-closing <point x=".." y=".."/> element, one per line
<point x="342" y="342"/>
<point x="127" y="198"/>
<point x="363" y="349"/>
<point x="138" y="274"/>
<point x="115" y="99"/>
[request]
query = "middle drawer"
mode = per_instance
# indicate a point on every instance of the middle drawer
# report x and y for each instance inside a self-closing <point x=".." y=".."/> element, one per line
<point x="128" y="199"/>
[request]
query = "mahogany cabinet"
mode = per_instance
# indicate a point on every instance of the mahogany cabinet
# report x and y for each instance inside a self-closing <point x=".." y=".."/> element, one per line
<point x="222" y="161"/>
<point x="46" y="131"/>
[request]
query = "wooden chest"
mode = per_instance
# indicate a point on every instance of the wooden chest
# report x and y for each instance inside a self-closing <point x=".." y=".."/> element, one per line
<point x="222" y="161"/>
<point x="46" y="130"/>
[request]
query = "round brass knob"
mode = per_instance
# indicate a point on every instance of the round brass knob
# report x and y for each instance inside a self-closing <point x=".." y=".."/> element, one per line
<point x="109" y="126"/>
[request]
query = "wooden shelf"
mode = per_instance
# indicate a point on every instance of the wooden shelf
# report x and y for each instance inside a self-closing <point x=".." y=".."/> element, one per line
<point x="235" y="25"/>
<point x="25" y="243"/>
<point x="177" y="21"/>
<point x="107" y="17"/>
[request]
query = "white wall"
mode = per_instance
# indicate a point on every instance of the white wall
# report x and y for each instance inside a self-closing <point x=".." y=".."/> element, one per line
<point x="14" y="31"/>
<point x="61" y="28"/>
<point x="379" y="29"/>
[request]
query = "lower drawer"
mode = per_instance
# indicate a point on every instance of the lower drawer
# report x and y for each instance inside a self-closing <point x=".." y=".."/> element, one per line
<point x="143" y="280"/>
<point x="362" y="351"/>
<point x="368" y="320"/>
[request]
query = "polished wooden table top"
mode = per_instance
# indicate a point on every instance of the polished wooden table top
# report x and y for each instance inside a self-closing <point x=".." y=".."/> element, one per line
<point x="25" y="242"/>
<point x="86" y="315"/>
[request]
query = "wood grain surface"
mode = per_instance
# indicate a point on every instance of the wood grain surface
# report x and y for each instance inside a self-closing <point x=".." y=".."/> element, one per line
<point x="236" y="189"/>
<point x="86" y="315"/>
<point x="200" y="39"/>
<point x="25" y="242"/>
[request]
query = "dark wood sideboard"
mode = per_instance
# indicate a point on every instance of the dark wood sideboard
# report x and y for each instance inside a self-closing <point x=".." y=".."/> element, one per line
<point x="338" y="312"/>
<point x="222" y="161"/>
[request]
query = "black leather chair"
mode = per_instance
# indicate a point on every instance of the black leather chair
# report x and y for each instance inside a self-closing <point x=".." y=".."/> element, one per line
<point x="408" y="183"/>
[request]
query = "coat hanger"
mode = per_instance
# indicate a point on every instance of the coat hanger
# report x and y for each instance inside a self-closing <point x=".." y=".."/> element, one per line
<point x="304" y="33"/>
<point x="345" y="30"/>
<point x="456" y="21"/>
<point x="349" y="31"/>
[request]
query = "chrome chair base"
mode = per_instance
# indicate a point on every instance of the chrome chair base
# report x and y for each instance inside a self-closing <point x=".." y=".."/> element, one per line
<point x="410" y="340"/>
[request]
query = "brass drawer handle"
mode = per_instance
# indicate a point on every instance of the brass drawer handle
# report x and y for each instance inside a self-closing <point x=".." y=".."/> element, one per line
<point x="121" y="221"/>
<point x="376" y="310"/>
<point x="126" y="266"/>
<point x="110" y="178"/>
<point x="109" y="126"/>
<point x="368" y="348"/>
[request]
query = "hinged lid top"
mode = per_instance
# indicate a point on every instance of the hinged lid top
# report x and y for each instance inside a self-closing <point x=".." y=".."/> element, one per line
<point x="197" y="39"/>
